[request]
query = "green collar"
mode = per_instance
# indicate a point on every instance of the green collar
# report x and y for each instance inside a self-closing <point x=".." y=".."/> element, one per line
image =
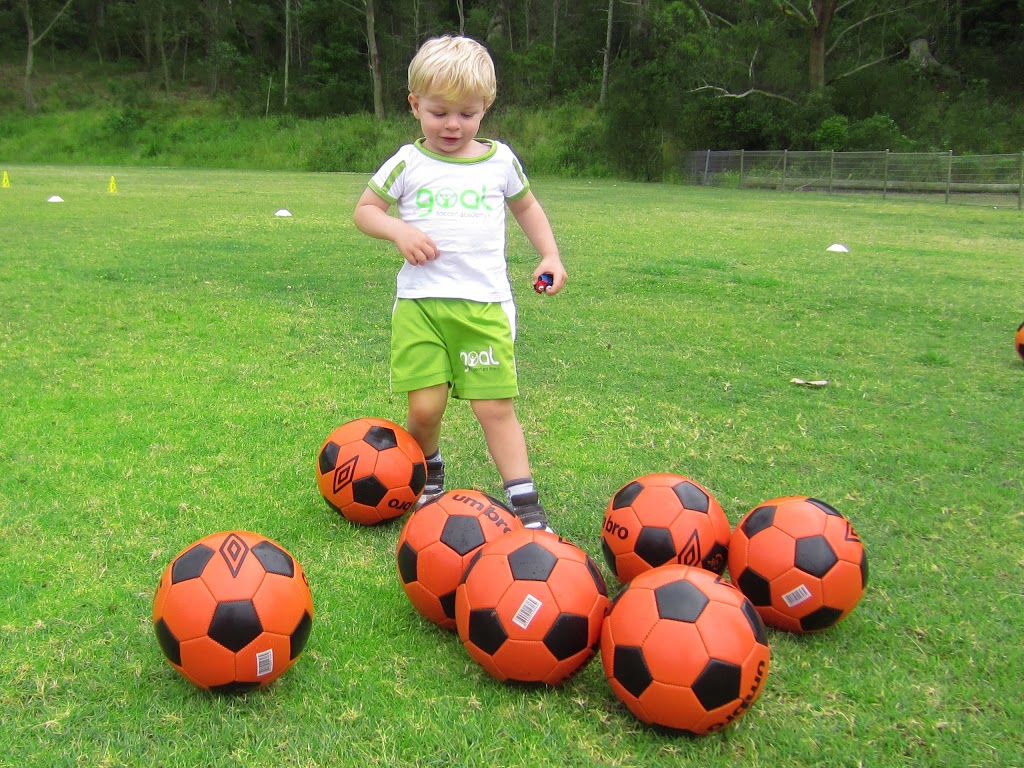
<point x="461" y="160"/>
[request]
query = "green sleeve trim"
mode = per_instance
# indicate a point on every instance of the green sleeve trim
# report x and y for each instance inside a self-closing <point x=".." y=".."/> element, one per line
<point x="384" y="189"/>
<point x="522" y="178"/>
<point x="521" y="194"/>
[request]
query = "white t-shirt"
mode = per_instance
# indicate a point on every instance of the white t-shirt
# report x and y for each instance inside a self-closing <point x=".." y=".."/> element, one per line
<point x="460" y="203"/>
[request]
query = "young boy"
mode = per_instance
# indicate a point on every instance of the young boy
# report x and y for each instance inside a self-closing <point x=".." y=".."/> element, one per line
<point x="454" y="320"/>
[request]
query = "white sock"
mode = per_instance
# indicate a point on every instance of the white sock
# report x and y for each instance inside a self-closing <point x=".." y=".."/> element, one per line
<point x="520" y="488"/>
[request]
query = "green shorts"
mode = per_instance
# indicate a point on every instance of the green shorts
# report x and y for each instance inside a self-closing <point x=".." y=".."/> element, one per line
<point x="468" y="345"/>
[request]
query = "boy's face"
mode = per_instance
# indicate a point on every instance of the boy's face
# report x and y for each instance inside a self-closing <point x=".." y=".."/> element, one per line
<point x="449" y="127"/>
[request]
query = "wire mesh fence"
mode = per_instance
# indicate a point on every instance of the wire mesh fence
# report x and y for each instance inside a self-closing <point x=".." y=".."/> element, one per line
<point x="996" y="180"/>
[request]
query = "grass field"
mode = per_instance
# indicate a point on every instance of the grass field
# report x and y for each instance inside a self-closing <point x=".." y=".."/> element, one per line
<point x="172" y="356"/>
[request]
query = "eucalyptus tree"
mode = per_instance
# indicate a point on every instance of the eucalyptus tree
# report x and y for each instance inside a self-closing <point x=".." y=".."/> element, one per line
<point x="51" y="15"/>
<point x="834" y="38"/>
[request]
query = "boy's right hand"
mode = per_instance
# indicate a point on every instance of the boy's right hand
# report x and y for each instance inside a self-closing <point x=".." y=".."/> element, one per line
<point x="416" y="246"/>
<point x="371" y="217"/>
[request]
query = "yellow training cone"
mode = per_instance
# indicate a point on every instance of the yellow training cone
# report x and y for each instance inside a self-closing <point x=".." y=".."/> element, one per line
<point x="7" y="181"/>
<point x="113" y="186"/>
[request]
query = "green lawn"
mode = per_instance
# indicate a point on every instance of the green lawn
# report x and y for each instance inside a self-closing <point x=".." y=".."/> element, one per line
<point x="172" y="356"/>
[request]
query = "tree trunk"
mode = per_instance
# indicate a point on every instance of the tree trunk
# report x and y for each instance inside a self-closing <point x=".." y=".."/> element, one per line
<point x="496" y="26"/>
<point x="641" y="21"/>
<point x="958" y="24"/>
<point x="34" y="40"/>
<point x="554" y="30"/>
<point x="823" y="11"/>
<point x="30" y="58"/>
<point x="99" y="22"/>
<point x="162" y="47"/>
<point x="287" y="45"/>
<point x="607" y="55"/>
<point x="371" y="43"/>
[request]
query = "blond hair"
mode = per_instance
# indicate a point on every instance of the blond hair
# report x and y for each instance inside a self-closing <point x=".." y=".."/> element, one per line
<point x="454" y="69"/>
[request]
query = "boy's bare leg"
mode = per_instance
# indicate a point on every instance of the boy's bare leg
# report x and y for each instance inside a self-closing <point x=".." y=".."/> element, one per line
<point x="507" y="445"/>
<point x="426" y="409"/>
<point x="504" y="435"/>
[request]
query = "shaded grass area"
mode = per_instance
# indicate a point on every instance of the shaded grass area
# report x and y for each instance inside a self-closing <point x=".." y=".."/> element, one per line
<point x="171" y="357"/>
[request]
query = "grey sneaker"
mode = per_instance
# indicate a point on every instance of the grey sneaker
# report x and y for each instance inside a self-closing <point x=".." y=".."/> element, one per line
<point x="435" y="482"/>
<point x="527" y="508"/>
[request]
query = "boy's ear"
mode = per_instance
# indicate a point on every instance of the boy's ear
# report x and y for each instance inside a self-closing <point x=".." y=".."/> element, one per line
<point x="414" y="102"/>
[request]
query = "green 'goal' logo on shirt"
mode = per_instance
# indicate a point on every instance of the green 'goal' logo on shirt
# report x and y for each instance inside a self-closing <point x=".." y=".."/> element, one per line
<point x="429" y="201"/>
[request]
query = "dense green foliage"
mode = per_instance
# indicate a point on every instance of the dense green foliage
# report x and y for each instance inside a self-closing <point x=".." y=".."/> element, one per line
<point x="911" y="75"/>
<point x="567" y="141"/>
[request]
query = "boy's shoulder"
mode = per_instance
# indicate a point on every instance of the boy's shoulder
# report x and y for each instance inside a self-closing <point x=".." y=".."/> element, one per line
<point x="405" y="151"/>
<point x="500" y="148"/>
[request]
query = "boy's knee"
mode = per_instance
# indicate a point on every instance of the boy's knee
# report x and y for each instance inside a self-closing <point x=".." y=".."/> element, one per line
<point x="428" y="406"/>
<point x="494" y="410"/>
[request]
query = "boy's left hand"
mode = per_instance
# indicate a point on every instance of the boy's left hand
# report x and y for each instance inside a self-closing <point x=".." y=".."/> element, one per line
<point x="549" y="277"/>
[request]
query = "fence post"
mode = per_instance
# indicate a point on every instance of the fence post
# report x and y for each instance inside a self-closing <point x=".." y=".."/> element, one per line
<point x="785" y="160"/>
<point x="885" y="176"/>
<point x="707" y="162"/>
<point x="741" y="168"/>
<point x="831" y="169"/>
<point x="949" y="174"/>
<point x="1020" y="183"/>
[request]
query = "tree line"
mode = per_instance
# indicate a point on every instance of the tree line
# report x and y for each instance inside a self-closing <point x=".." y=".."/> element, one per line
<point x="762" y="74"/>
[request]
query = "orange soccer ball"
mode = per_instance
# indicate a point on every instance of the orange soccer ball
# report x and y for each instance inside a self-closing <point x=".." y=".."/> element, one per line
<point x="800" y="563"/>
<point x="530" y="606"/>
<point x="663" y="518"/>
<point x="438" y="541"/>
<point x="233" y="611"/>
<point x="684" y="649"/>
<point x="1018" y="341"/>
<point x="370" y="471"/>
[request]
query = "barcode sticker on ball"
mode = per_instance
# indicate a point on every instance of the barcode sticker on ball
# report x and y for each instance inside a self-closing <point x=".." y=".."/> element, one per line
<point x="527" y="610"/>
<point x="264" y="662"/>
<point x="797" y="596"/>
